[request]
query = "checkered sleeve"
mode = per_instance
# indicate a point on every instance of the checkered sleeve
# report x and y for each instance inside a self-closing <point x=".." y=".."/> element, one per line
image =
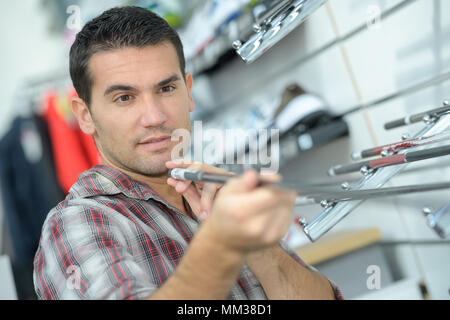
<point x="83" y="255"/>
<point x="294" y="255"/>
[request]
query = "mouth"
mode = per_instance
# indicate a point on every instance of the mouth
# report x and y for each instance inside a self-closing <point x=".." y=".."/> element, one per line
<point x="156" y="143"/>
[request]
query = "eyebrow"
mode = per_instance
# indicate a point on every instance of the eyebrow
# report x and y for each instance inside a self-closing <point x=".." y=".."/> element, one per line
<point x="121" y="87"/>
<point x="172" y="78"/>
<point x="118" y="87"/>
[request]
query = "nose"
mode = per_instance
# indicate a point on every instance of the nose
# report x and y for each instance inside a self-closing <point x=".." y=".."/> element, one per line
<point x="152" y="114"/>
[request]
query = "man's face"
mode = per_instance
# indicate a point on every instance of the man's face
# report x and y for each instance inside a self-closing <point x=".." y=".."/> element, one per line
<point x="139" y="97"/>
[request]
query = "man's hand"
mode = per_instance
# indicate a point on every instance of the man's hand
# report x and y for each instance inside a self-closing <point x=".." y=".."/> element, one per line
<point x="245" y="216"/>
<point x="248" y="217"/>
<point x="246" y="222"/>
<point x="200" y="196"/>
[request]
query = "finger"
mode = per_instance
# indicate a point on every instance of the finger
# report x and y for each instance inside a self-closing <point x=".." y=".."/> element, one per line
<point x="280" y="215"/>
<point x="266" y="199"/>
<point x="207" y="198"/>
<point x="285" y="196"/>
<point x="270" y="177"/>
<point x="193" y="198"/>
<point x="289" y="199"/>
<point x="292" y="197"/>
<point x="182" y="186"/>
<point x="194" y="165"/>
<point x="180" y="163"/>
<point x="172" y="182"/>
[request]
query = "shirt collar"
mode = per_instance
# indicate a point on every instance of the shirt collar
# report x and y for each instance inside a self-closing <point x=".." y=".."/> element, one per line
<point x="106" y="180"/>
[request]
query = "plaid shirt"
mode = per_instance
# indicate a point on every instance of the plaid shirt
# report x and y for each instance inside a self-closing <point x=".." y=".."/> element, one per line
<point x="115" y="238"/>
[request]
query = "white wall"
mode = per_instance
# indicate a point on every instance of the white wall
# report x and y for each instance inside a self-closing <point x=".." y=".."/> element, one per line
<point x="410" y="46"/>
<point x="27" y="51"/>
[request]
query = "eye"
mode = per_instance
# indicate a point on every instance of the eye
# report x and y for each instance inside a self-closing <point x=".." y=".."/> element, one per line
<point x="167" y="89"/>
<point x="124" y="98"/>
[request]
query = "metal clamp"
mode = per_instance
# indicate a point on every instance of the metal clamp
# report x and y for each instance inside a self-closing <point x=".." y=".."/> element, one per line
<point x="275" y="27"/>
<point x="439" y="221"/>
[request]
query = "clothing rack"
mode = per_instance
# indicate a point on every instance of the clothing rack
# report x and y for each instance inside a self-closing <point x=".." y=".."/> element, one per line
<point x="28" y="95"/>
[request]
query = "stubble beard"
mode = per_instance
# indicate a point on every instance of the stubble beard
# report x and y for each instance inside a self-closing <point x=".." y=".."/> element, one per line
<point x="151" y="165"/>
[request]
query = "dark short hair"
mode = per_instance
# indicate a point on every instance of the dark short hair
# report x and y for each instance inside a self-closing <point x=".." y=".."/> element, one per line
<point x="118" y="28"/>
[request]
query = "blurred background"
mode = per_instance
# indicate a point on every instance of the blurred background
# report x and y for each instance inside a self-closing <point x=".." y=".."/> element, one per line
<point x="360" y="63"/>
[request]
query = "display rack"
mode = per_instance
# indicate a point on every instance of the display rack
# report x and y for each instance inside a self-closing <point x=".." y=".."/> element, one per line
<point x="373" y="179"/>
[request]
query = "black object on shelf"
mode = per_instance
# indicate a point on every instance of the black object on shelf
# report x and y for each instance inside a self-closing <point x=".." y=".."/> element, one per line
<point x="301" y="139"/>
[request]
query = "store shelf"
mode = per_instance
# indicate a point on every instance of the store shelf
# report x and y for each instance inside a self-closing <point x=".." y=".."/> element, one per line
<point x="337" y="244"/>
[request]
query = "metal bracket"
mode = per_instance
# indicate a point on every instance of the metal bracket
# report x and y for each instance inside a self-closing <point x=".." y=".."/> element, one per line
<point x="439" y="221"/>
<point x="335" y="213"/>
<point x="275" y="27"/>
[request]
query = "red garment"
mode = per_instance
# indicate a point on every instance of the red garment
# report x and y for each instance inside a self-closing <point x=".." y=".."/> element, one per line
<point x="73" y="151"/>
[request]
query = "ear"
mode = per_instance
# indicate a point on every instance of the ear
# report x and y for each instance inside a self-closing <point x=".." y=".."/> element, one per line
<point x="83" y="115"/>
<point x="190" y="83"/>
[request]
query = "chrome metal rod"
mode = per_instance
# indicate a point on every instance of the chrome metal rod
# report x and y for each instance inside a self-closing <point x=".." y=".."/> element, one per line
<point x="441" y="78"/>
<point x="396" y="159"/>
<point x="335" y="213"/>
<point x="340" y="196"/>
<point x="396" y="146"/>
<point x="203" y="176"/>
<point x="418" y="117"/>
<point x="318" y="197"/>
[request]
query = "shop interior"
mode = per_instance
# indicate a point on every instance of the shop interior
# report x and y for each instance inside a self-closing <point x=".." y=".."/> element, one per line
<point x="355" y="91"/>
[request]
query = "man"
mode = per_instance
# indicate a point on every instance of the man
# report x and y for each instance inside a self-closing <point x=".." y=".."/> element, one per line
<point x="126" y="231"/>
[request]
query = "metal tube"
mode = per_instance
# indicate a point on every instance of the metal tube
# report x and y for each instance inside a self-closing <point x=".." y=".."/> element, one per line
<point x="396" y="159"/>
<point x="334" y="214"/>
<point x="416" y="117"/>
<point x="396" y="146"/>
<point x="339" y="196"/>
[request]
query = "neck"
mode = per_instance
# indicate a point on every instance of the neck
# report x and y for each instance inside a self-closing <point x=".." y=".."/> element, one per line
<point x="157" y="183"/>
